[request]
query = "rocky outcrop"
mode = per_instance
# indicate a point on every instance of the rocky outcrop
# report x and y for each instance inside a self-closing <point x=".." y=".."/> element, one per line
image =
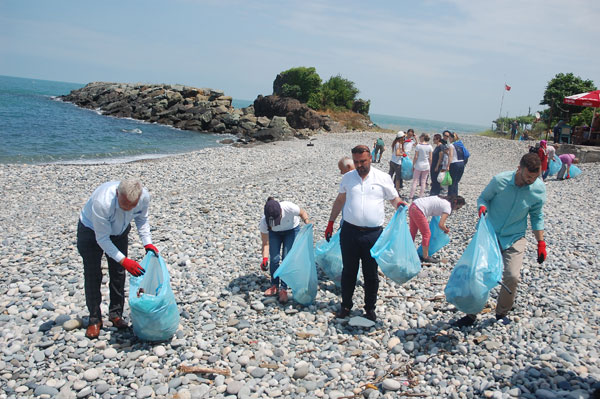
<point x="190" y="108"/>
<point x="297" y="114"/>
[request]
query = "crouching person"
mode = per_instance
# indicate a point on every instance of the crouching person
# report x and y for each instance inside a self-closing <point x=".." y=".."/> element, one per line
<point x="278" y="229"/>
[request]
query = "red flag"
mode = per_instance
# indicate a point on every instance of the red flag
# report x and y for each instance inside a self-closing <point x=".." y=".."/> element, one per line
<point x="506" y="87"/>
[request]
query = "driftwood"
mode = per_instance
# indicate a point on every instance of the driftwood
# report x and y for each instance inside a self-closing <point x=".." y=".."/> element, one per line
<point x="203" y="370"/>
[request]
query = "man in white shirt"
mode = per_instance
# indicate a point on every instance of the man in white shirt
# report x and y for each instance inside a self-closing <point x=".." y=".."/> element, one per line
<point x="103" y="228"/>
<point x="361" y="195"/>
<point x="278" y="228"/>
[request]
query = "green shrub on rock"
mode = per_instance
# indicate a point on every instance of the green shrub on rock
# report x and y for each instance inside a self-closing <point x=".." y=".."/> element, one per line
<point x="298" y="83"/>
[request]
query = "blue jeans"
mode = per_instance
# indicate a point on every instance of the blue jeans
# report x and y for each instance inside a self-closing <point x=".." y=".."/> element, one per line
<point x="277" y="239"/>
<point x="456" y="171"/>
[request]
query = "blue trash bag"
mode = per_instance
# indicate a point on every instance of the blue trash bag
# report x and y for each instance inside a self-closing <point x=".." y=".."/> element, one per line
<point x="328" y="255"/>
<point x="438" y="239"/>
<point x="395" y="250"/>
<point x="407" y="168"/>
<point x="574" y="171"/>
<point x="477" y="271"/>
<point x="154" y="312"/>
<point x="554" y="165"/>
<point x="373" y="155"/>
<point x="298" y="268"/>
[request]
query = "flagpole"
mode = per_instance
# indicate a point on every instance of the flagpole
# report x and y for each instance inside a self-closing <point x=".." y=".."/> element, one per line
<point x="501" y="102"/>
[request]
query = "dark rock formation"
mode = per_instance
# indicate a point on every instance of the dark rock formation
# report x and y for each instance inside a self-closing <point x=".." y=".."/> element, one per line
<point x="201" y="110"/>
<point x="298" y="115"/>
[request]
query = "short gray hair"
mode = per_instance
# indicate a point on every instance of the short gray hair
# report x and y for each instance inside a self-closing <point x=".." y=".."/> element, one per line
<point x="346" y="161"/>
<point x="131" y="189"/>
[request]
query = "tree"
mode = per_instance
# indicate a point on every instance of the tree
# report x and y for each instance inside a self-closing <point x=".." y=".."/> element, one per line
<point x="298" y="83"/>
<point x="561" y="86"/>
<point x="338" y="92"/>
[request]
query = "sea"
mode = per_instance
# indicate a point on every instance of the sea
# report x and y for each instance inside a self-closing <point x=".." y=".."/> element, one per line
<point x="36" y="128"/>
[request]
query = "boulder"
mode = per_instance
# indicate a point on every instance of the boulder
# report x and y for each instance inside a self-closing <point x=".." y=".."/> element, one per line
<point x="298" y="115"/>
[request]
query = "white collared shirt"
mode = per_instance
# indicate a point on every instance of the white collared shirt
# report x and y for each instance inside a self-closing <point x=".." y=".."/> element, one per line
<point x="364" y="204"/>
<point x="290" y="218"/>
<point x="433" y="206"/>
<point x="103" y="214"/>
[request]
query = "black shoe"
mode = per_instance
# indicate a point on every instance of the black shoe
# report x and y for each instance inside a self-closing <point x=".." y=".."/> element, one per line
<point x="342" y="313"/>
<point x="502" y="319"/>
<point x="371" y="315"/>
<point x="465" y="321"/>
<point x="429" y="259"/>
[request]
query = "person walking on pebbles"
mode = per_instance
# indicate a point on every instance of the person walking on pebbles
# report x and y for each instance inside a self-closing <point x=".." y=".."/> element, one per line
<point x="278" y="229"/>
<point x="508" y="199"/>
<point x="361" y="195"/>
<point x="103" y="228"/>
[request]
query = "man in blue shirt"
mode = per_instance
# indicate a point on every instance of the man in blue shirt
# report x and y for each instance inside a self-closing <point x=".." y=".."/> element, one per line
<point x="103" y="228"/>
<point x="507" y="200"/>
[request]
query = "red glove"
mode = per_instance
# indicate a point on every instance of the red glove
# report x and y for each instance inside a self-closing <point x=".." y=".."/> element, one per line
<point x="133" y="267"/>
<point x="482" y="210"/>
<point x="401" y="203"/>
<point x="263" y="265"/>
<point x="150" y="247"/>
<point x="329" y="230"/>
<point x="541" y="251"/>
<point x="568" y="177"/>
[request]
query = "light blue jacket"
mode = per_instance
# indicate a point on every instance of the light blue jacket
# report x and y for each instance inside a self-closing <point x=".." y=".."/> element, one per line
<point x="508" y="206"/>
<point x="103" y="215"/>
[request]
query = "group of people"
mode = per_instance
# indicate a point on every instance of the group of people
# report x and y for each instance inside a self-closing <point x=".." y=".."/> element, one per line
<point x="547" y="153"/>
<point x="104" y="225"/>
<point x="361" y="198"/>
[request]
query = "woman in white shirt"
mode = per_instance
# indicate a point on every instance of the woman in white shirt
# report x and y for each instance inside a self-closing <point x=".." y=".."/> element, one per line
<point x="423" y="208"/>
<point x="398" y="153"/>
<point x="421" y="165"/>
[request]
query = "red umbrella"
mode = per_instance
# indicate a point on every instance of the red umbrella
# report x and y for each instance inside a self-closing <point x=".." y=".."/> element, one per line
<point x="589" y="99"/>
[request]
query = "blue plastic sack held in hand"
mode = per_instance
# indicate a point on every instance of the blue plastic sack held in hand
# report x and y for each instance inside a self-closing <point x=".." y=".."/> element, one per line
<point x="298" y="268"/>
<point x="407" y="168"/>
<point x="477" y="271"/>
<point x="373" y="155"/>
<point x="328" y="255"/>
<point x="574" y="171"/>
<point x="395" y="250"/>
<point x="554" y="165"/>
<point x="154" y="312"/>
<point x="438" y="239"/>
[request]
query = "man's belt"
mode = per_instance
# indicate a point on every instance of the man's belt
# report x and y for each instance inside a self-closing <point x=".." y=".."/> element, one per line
<point x="360" y="228"/>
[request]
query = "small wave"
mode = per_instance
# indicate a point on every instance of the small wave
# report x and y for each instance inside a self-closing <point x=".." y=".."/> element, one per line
<point x="136" y="130"/>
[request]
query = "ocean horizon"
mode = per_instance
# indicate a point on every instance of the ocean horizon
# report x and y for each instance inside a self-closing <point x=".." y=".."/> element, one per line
<point x="37" y="128"/>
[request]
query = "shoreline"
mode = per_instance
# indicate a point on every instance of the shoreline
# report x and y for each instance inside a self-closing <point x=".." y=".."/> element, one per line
<point x="204" y="212"/>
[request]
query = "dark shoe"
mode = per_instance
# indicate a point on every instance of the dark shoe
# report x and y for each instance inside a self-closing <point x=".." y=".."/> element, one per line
<point x="429" y="259"/>
<point x="371" y="315"/>
<point x="342" y="313"/>
<point x="118" y="322"/>
<point x="283" y="296"/>
<point x="465" y="321"/>
<point x="502" y="319"/>
<point x="93" y="330"/>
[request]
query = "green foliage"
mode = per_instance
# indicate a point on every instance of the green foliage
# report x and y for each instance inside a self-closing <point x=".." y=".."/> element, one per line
<point x="582" y="118"/>
<point x="561" y="86"/>
<point x="298" y="83"/>
<point x="304" y="84"/>
<point x="338" y="92"/>
<point x="361" y="106"/>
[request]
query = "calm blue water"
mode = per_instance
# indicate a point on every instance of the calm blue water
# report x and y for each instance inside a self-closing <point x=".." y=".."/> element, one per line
<point x="35" y="128"/>
<point x="423" y="125"/>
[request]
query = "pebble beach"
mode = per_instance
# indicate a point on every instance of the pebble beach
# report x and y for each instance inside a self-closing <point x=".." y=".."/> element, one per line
<point x="204" y="214"/>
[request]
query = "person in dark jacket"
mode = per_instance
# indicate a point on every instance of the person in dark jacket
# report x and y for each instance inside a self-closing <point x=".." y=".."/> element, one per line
<point x="433" y="173"/>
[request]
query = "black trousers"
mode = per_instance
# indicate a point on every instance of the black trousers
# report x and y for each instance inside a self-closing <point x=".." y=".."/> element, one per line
<point x="456" y="171"/>
<point x="356" y="246"/>
<point x="436" y="188"/>
<point x="91" y="253"/>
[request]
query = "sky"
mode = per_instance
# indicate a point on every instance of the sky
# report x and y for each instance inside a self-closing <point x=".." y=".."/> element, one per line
<point x="441" y="60"/>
